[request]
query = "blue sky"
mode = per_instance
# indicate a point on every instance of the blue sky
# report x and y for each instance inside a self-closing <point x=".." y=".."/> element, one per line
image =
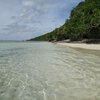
<point x="24" y="19"/>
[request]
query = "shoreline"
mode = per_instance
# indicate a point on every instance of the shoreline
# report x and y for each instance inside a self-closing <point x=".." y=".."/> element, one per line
<point x="81" y="45"/>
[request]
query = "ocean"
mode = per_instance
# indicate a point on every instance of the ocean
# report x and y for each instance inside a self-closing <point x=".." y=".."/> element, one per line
<point x="47" y="71"/>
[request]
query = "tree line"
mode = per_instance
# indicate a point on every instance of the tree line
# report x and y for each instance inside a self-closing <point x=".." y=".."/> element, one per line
<point x="83" y="23"/>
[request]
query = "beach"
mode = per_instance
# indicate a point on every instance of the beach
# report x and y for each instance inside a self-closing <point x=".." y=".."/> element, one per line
<point x="47" y="71"/>
<point x="82" y="45"/>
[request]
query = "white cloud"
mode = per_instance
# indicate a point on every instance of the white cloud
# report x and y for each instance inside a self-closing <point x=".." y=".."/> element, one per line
<point x="27" y="2"/>
<point x="38" y="16"/>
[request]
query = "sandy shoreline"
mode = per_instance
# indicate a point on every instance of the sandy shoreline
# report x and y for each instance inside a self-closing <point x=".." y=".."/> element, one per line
<point x="82" y="45"/>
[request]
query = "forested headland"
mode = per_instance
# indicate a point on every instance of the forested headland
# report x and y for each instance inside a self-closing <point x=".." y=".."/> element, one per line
<point x="83" y="23"/>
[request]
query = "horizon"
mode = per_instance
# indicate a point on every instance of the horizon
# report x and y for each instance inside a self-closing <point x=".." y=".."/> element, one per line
<point x="32" y="18"/>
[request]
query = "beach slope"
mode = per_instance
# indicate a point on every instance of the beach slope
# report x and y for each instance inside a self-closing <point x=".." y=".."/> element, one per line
<point x="82" y="45"/>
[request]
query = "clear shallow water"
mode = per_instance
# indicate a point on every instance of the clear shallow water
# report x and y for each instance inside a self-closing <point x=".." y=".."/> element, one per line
<point x="45" y="71"/>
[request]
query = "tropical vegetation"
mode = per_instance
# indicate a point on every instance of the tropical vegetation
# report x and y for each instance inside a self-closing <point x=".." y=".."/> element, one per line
<point x="83" y="23"/>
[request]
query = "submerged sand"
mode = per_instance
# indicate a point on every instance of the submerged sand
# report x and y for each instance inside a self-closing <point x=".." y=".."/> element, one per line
<point x="82" y="45"/>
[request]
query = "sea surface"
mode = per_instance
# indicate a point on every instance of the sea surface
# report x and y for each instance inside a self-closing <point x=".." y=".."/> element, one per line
<point x="47" y="71"/>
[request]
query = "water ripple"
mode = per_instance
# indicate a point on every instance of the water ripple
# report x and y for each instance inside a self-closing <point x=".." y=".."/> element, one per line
<point x="45" y="71"/>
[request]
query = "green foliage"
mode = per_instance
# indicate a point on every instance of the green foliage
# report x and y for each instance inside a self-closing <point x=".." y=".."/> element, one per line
<point x="84" y="22"/>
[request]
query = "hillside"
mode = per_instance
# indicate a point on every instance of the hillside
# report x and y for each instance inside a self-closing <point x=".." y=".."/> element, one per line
<point x="84" y="23"/>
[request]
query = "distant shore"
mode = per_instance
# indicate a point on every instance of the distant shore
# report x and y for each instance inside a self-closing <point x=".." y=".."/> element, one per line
<point x="81" y="45"/>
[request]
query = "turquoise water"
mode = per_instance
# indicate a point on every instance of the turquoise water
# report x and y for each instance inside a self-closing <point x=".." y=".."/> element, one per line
<point x="46" y="71"/>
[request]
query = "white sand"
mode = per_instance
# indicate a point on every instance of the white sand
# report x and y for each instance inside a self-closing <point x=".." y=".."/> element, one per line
<point x="82" y="45"/>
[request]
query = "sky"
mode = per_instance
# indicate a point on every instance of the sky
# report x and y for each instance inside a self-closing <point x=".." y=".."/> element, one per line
<point x="25" y="19"/>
